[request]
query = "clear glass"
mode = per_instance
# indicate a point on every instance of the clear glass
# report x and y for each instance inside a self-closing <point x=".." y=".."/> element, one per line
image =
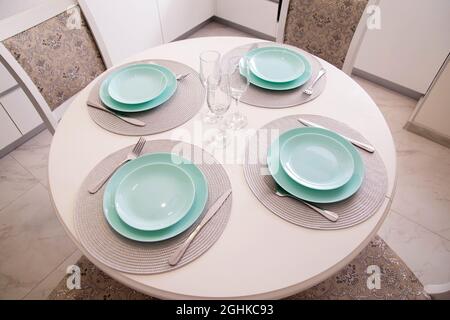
<point x="238" y="71"/>
<point x="209" y="66"/>
<point x="219" y="101"/>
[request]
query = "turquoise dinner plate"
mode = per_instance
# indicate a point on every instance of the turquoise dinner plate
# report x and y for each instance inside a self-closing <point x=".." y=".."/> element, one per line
<point x="308" y="194"/>
<point x="201" y="197"/>
<point x="316" y="161"/>
<point x="276" y="64"/>
<point x="154" y="196"/>
<point x="123" y="107"/>
<point x="137" y="83"/>
<point x="253" y="79"/>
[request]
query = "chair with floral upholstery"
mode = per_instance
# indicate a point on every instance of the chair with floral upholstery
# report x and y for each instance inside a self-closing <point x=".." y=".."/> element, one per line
<point x="330" y="29"/>
<point x="53" y="61"/>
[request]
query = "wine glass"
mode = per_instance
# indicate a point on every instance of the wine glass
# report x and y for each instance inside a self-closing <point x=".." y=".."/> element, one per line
<point x="238" y="71"/>
<point x="209" y="66"/>
<point x="219" y="100"/>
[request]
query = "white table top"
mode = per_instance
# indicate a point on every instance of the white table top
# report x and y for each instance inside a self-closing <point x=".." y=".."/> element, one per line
<point x="259" y="255"/>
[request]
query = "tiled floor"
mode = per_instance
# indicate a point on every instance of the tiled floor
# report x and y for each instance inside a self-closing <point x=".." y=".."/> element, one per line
<point x="34" y="251"/>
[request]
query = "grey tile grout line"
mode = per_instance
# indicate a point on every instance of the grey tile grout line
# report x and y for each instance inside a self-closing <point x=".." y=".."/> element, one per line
<point x="26" y="169"/>
<point x="48" y="274"/>
<point x="28" y="189"/>
<point x="419" y="224"/>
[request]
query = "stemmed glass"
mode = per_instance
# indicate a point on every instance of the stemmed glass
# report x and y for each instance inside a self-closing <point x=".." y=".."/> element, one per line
<point x="209" y="66"/>
<point x="219" y="100"/>
<point x="237" y="69"/>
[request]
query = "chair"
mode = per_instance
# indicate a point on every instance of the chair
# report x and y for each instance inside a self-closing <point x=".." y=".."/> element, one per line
<point x="52" y="61"/>
<point x="330" y="29"/>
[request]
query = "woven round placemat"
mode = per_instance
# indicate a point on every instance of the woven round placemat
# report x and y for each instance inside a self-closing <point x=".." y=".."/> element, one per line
<point x="264" y="98"/>
<point x="182" y="106"/>
<point x="120" y="253"/>
<point x="352" y="211"/>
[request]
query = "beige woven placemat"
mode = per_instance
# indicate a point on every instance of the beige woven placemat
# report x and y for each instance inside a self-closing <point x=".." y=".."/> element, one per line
<point x="117" y="252"/>
<point x="352" y="211"/>
<point x="182" y="106"/>
<point x="264" y="98"/>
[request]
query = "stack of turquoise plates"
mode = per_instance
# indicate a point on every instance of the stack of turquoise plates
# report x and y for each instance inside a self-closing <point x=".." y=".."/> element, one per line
<point x="138" y="87"/>
<point x="155" y="197"/>
<point x="315" y="165"/>
<point x="276" y="68"/>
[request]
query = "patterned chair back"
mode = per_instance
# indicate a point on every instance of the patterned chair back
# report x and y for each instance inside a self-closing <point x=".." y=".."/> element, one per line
<point x="59" y="55"/>
<point x="324" y="28"/>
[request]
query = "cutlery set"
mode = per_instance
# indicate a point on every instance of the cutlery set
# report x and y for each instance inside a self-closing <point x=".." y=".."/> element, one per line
<point x="119" y="92"/>
<point x="315" y="165"/>
<point x="152" y="198"/>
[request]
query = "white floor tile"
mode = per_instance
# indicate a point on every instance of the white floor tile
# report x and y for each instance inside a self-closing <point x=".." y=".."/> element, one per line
<point x="46" y="286"/>
<point x="427" y="254"/>
<point x="33" y="155"/>
<point x="14" y="180"/>
<point x="32" y="243"/>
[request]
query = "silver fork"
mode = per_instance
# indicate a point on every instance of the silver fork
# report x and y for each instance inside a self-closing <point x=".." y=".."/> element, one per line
<point x="327" y="214"/>
<point x="309" y="91"/>
<point x="133" y="154"/>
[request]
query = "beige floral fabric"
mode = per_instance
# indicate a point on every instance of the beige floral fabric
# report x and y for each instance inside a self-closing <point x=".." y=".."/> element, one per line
<point x="396" y="281"/>
<point x="60" y="56"/>
<point x="323" y="27"/>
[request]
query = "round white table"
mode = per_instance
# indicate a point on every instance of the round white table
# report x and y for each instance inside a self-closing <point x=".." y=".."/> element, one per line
<point x="259" y="255"/>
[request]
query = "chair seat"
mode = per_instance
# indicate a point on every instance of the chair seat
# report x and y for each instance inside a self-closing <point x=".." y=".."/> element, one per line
<point x="397" y="281"/>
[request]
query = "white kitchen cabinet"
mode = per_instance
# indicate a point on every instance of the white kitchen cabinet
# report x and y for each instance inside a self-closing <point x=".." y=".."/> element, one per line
<point x="21" y="111"/>
<point x="180" y="16"/>
<point x="6" y="80"/>
<point x="123" y="28"/>
<point x="259" y="15"/>
<point x="9" y="132"/>
<point x="411" y="45"/>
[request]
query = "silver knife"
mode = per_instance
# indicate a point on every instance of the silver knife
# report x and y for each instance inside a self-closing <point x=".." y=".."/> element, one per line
<point x="132" y="121"/>
<point x="176" y="257"/>
<point x="357" y="143"/>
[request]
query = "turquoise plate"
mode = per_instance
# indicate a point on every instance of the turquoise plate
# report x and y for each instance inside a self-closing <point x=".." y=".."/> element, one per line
<point x="253" y="79"/>
<point x="316" y="161"/>
<point x="154" y="196"/>
<point x="123" y="107"/>
<point x="308" y="194"/>
<point x="201" y="197"/>
<point x="276" y="64"/>
<point x="137" y="83"/>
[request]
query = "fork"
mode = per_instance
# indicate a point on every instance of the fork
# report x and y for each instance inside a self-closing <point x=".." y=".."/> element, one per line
<point x="309" y="91"/>
<point x="133" y="154"/>
<point x="325" y="213"/>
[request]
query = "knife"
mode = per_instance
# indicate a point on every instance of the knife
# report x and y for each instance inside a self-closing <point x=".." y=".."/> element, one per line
<point x="132" y="121"/>
<point x="176" y="257"/>
<point x="357" y="143"/>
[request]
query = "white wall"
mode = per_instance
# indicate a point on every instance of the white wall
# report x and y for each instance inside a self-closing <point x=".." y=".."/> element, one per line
<point x="259" y="15"/>
<point x="9" y="8"/>
<point x="412" y="44"/>
<point x="126" y="27"/>
<point x="180" y="16"/>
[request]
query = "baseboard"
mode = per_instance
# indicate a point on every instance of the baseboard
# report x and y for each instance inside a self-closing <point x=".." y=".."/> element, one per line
<point x="428" y="133"/>
<point x="242" y="28"/>
<point x="387" y="84"/>
<point x="193" y="30"/>
<point x="27" y="136"/>
<point x="228" y="23"/>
